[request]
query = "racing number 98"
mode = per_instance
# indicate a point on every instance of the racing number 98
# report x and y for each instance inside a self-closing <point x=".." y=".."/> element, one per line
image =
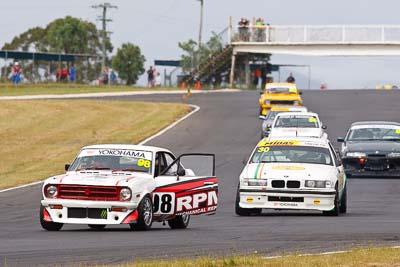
<point x="164" y="203"/>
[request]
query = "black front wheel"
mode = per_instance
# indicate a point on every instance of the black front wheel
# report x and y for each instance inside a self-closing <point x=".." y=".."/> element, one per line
<point x="49" y="226"/>
<point x="243" y="211"/>
<point x="336" y="210"/>
<point x="145" y="215"/>
<point x="343" y="200"/>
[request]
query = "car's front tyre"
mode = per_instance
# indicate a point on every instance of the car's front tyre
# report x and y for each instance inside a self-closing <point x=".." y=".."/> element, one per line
<point x="145" y="215"/>
<point x="343" y="200"/>
<point x="243" y="211"/>
<point x="336" y="210"/>
<point x="49" y="226"/>
<point x="179" y="222"/>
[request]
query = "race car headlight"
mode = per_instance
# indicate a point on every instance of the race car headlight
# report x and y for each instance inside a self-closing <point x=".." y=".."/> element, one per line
<point x="317" y="183"/>
<point x="255" y="182"/>
<point x="51" y="191"/>
<point x="356" y="155"/>
<point x="267" y="102"/>
<point x="394" y="155"/>
<point x="125" y="194"/>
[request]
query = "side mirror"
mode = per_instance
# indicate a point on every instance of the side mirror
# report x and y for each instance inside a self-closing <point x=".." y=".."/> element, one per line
<point x="181" y="172"/>
<point x="300" y="93"/>
<point x="340" y="139"/>
<point x="324" y="127"/>
<point x="261" y="117"/>
<point x="261" y="93"/>
<point x="244" y="161"/>
<point x="66" y="167"/>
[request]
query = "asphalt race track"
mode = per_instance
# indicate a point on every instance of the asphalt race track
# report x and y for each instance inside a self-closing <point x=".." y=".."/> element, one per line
<point x="226" y="125"/>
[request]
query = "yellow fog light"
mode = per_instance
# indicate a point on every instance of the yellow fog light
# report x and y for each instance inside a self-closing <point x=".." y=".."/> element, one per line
<point x="317" y="201"/>
<point x="250" y="199"/>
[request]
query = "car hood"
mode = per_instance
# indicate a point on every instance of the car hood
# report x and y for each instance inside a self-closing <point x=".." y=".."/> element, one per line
<point x="98" y="178"/>
<point x="373" y="146"/>
<point x="296" y="132"/>
<point x="288" y="171"/>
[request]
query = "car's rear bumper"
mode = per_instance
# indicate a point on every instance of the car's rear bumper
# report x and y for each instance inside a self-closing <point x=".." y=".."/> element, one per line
<point x="372" y="167"/>
<point x="89" y="212"/>
<point x="282" y="199"/>
<point x="372" y="174"/>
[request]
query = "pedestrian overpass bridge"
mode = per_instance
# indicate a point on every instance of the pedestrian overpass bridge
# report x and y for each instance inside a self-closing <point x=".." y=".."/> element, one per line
<point x="315" y="40"/>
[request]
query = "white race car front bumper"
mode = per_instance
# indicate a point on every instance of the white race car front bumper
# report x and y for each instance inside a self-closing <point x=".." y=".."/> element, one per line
<point x="287" y="199"/>
<point x="89" y="212"/>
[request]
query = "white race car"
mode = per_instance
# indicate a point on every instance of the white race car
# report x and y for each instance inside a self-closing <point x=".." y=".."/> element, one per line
<point x="306" y="124"/>
<point x="129" y="184"/>
<point x="292" y="173"/>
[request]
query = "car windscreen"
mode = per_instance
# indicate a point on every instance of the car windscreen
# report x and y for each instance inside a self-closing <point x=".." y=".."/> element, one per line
<point x="374" y="133"/>
<point x="292" y="154"/>
<point x="282" y="90"/>
<point x="297" y="122"/>
<point x="271" y="115"/>
<point x="113" y="159"/>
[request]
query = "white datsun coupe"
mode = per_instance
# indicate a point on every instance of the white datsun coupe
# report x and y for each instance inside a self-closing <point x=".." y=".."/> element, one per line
<point x="129" y="184"/>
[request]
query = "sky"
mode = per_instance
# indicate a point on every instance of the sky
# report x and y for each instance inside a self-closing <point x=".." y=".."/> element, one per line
<point x="157" y="26"/>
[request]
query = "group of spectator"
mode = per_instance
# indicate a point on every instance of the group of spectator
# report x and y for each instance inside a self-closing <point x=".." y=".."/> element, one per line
<point x="108" y="77"/>
<point x="64" y="75"/>
<point x="153" y="77"/>
<point x="255" y="32"/>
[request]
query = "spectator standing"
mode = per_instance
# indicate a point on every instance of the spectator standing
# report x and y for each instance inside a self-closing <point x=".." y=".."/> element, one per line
<point x="150" y="77"/>
<point x="157" y="79"/>
<point x="260" y="30"/>
<point x="113" y="77"/>
<point x="105" y="76"/>
<point x="290" y="79"/>
<point x="244" y="30"/>
<point x="16" y="73"/>
<point x="72" y="73"/>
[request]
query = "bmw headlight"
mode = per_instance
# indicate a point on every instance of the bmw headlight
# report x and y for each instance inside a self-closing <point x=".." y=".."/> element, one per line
<point x="394" y="155"/>
<point x="355" y="155"/>
<point x="254" y="182"/>
<point x="125" y="194"/>
<point x="317" y="183"/>
<point x="51" y="191"/>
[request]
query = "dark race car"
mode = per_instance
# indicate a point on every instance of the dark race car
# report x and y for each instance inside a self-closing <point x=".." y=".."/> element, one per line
<point x="372" y="149"/>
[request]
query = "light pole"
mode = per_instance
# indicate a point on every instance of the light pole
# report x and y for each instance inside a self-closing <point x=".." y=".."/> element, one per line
<point x="200" y="32"/>
<point x="201" y="21"/>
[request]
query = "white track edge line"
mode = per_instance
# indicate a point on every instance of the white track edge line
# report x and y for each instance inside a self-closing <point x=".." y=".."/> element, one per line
<point x="20" y="186"/>
<point x="195" y="109"/>
<point x="317" y="254"/>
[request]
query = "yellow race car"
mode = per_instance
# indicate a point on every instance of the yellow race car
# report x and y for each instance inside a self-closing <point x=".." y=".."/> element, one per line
<point x="279" y="94"/>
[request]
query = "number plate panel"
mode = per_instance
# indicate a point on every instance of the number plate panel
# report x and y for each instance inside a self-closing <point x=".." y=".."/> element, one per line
<point x="164" y="203"/>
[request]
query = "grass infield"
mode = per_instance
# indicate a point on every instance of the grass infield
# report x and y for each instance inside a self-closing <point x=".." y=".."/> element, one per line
<point x="360" y="257"/>
<point x="7" y="89"/>
<point x="38" y="137"/>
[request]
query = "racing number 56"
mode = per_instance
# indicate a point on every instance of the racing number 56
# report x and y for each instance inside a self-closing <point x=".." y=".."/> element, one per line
<point x="164" y="203"/>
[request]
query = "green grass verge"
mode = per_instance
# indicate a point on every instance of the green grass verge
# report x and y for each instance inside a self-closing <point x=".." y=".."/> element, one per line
<point x="362" y="257"/>
<point x="38" y="137"/>
<point x="65" y="88"/>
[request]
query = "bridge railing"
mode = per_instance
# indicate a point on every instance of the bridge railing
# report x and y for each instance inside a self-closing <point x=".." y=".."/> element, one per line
<point x="316" y="34"/>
